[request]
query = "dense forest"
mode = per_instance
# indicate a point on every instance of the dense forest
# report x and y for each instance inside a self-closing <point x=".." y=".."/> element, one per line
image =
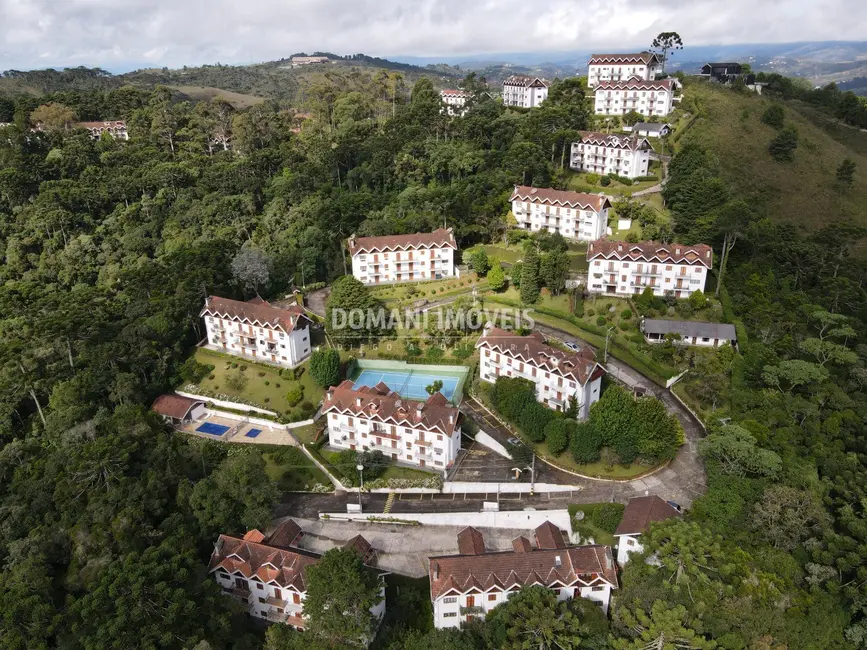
<point x="107" y="519"/>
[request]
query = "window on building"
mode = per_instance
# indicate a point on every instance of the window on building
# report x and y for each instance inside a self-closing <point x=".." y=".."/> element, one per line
<point x="598" y="589"/>
<point x="492" y="597"/>
<point x="630" y="542"/>
<point x="449" y="614"/>
<point x="449" y="600"/>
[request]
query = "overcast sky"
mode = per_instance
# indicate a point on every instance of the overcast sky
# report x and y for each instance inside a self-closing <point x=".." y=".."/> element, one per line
<point x="119" y="34"/>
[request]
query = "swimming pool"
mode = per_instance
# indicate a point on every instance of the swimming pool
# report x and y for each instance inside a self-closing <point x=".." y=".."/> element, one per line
<point x="212" y="428"/>
<point x="410" y="383"/>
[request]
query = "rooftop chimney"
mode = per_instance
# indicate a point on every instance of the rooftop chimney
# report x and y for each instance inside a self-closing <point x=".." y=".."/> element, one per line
<point x="358" y="401"/>
<point x="619" y="248"/>
<point x="436" y="570"/>
<point x="558" y="561"/>
<point x="677" y="250"/>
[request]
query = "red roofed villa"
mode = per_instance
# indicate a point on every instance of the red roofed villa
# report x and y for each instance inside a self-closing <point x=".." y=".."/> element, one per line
<point x="606" y="153"/>
<point x="640" y="512"/>
<point x="404" y="258"/>
<point x="426" y="434"/>
<point x="647" y="97"/>
<point x="558" y="375"/>
<point x="269" y="573"/>
<point x="257" y="330"/>
<point x="472" y="583"/>
<point x="615" y="67"/>
<point x="575" y="215"/>
<point x="623" y="268"/>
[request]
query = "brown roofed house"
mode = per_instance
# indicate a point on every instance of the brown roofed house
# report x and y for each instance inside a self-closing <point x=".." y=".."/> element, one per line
<point x="638" y="515"/>
<point x="179" y="409"/>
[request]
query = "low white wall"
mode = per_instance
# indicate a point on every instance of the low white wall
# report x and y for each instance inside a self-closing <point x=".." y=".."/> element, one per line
<point x="298" y="425"/>
<point x="229" y="405"/>
<point x="526" y="519"/>
<point x="257" y="421"/>
<point x="460" y="487"/>
<point x="485" y="439"/>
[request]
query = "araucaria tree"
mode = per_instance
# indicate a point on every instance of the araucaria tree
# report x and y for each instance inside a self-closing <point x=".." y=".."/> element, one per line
<point x="530" y="277"/>
<point x="340" y="594"/>
<point x="665" y="43"/>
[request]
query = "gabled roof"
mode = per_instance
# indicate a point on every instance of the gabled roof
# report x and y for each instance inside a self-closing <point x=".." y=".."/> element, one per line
<point x="174" y="406"/>
<point x="578" y="366"/>
<point x="548" y="196"/>
<point x="525" y="81"/>
<point x="115" y="124"/>
<point x="549" y="536"/>
<point x="363" y="548"/>
<point x="380" y="404"/>
<point x="636" y="83"/>
<point x="454" y="93"/>
<point x="615" y="140"/>
<point x="471" y="542"/>
<point x="649" y="126"/>
<point x="256" y="312"/>
<point x="651" y="251"/>
<point x="286" y="534"/>
<point x="624" y="59"/>
<point x="722" y="331"/>
<point x="640" y="512"/>
<point x="523" y="566"/>
<point x="436" y="239"/>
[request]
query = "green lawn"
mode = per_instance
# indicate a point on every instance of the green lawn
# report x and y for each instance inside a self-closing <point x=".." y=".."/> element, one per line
<point x="504" y="253"/>
<point x="586" y="527"/>
<point x="560" y="303"/>
<point x="598" y="469"/>
<point x="392" y="471"/>
<point x="306" y="433"/>
<point x="578" y="183"/>
<point x="264" y="387"/>
<point x="291" y="469"/>
<point x="412" y="291"/>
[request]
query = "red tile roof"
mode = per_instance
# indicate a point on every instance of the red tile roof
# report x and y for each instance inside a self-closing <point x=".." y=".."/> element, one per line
<point x="579" y="366"/>
<point x="380" y="404"/>
<point x="640" y="512"/>
<point x="548" y="196"/>
<point x="286" y="534"/>
<point x="116" y="124"/>
<point x="439" y="238"/>
<point x="258" y="557"/>
<point x="614" y="140"/>
<point x="471" y="542"/>
<point x="456" y="93"/>
<point x="525" y="81"/>
<point x="549" y="536"/>
<point x="651" y="251"/>
<point x="524" y="566"/>
<point x="623" y="59"/>
<point x="174" y="406"/>
<point x="364" y="549"/>
<point x="636" y="84"/>
<point x="256" y="312"/>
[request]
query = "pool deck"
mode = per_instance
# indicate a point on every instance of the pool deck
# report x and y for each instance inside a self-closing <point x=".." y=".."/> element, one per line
<point x="271" y="435"/>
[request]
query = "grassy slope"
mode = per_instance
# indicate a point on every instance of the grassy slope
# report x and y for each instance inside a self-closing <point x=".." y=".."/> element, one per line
<point x="206" y="93"/>
<point x="803" y="192"/>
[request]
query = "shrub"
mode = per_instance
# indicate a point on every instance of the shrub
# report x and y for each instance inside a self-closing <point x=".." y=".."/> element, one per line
<point x="626" y="315"/>
<point x="266" y="399"/>
<point x="193" y="372"/>
<point x="624" y="326"/>
<point x="557" y="436"/>
<point x="649" y="177"/>
<point x="294" y="395"/>
<point x="243" y="367"/>
<point x="211" y="377"/>
<point x="774" y="116"/>
<point x="267" y="383"/>
<point x="434" y="353"/>
<point x="782" y="147"/>
<point x="590" y="312"/>
<point x="698" y="300"/>
<point x="591" y="178"/>
<point x="234" y="365"/>
<point x="584" y="443"/>
<point x="601" y="321"/>
<point x="534" y="419"/>
<point x="236" y="381"/>
<point x="261" y="373"/>
<point x="325" y="367"/>
<point x="607" y="516"/>
<point x="605" y="181"/>
<point x="277" y="384"/>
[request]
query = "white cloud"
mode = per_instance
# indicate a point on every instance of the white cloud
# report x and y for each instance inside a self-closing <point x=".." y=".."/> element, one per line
<point x="115" y="33"/>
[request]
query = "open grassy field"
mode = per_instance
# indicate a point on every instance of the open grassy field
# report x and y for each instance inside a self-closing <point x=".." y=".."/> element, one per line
<point x="205" y="93"/>
<point x="265" y="387"/>
<point x="291" y="469"/>
<point x="803" y="192"/>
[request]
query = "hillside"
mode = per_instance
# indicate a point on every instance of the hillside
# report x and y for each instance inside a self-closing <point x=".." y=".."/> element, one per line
<point x="804" y="191"/>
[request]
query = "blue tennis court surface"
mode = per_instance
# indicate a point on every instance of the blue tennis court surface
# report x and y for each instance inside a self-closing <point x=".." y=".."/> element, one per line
<point x="213" y="429"/>
<point x="408" y="383"/>
<point x="252" y="433"/>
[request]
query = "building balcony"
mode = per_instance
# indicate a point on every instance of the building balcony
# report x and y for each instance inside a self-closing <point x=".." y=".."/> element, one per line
<point x="276" y="617"/>
<point x="239" y="592"/>
<point x="277" y="602"/>
<point x="475" y="609"/>
<point x="647" y="274"/>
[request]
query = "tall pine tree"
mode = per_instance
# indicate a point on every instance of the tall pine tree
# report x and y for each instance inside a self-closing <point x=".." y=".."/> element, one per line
<point x="530" y="277"/>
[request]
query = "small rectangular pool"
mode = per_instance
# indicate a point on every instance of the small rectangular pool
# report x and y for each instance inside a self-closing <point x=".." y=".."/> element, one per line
<point x="252" y="433"/>
<point x="212" y="428"/>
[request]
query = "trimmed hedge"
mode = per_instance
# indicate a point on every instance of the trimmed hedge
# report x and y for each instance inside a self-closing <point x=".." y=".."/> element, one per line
<point x="649" y="177"/>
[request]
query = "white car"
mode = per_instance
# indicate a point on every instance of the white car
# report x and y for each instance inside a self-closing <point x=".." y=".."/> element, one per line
<point x="573" y="346"/>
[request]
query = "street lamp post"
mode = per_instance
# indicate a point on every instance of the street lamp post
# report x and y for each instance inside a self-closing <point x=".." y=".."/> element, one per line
<point x="360" y="469"/>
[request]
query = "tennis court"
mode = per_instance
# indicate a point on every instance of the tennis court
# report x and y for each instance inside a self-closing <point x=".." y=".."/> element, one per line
<point x="213" y="429"/>
<point x="410" y="384"/>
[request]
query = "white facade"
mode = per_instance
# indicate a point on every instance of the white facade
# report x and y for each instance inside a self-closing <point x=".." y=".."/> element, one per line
<point x="455" y="101"/>
<point x="528" y="92"/>
<point x="648" y="98"/>
<point x="403" y="258"/>
<point x="574" y="215"/>
<point x="618" y="67"/>
<point x="447" y="610"/>
<point x="558" y="376"/>
<point x="257" y="331"/>
<point x="702" y="334"/>
<point x="627" y="544"/>
<point x="604" y="153"/>
<point x="621" y="268"/>
<point x="116" y="129"/>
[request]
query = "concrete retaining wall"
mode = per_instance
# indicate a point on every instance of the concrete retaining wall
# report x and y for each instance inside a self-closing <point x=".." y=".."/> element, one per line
<point x="252" y="420"/>
<point x="460" y="487"/>
<point x="229" y="405"/>
<point x="485" y="439"/>
<point x="527" y="519"/>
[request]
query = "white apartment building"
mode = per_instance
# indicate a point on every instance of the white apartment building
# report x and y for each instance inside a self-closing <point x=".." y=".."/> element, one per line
<point x="649" y="98"/>
<point x="472" y="583"/>
<point x="558" y="375"/>
<point x="256" y="330"/>
<point x="425" y="434"/>
<point x="604" y="153"/>
<point x="573" y="214"/>
<point x="455" y="101"/>
<point x="404" y="258"/>
<point x="116" y="129"/>
<point x="529" y="92"/>
<point x="619" y="67"/>
<point x="268" y="574"/>
<point x="639" y="513"/>
<point x="621" y="268"/>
